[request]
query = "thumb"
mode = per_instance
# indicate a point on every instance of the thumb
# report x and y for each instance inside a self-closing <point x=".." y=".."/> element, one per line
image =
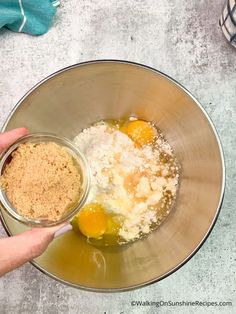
<point x="19" y="249"/>
<point x="8" y="138"/>
<point x="42" y="237"/>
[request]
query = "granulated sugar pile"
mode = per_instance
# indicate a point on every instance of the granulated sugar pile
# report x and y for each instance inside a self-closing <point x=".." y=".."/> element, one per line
<point x="130" y="182"/>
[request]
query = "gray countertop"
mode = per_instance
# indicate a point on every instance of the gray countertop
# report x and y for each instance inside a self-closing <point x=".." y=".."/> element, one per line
<point x="182" y="39"/>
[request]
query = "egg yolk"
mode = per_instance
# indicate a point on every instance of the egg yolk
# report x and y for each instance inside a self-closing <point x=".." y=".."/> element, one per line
<point x="141" y="132"/>
<point x="92" y="220"/>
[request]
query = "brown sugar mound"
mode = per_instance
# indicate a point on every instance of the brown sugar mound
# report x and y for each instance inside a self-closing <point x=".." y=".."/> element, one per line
<point x="42" y="181"/>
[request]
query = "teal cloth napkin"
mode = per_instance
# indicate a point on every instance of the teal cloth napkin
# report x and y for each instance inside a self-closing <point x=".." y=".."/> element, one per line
<point x="27" y="16"/>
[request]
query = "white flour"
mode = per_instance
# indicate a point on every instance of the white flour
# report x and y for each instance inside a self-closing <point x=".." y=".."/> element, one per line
<point x="124" y="178"/>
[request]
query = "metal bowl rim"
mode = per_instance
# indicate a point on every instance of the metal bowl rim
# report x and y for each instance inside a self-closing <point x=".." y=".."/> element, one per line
<point x="175" y="82"/>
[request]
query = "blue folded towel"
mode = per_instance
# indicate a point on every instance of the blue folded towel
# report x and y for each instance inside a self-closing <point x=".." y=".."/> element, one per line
<point x="27" y="16"/>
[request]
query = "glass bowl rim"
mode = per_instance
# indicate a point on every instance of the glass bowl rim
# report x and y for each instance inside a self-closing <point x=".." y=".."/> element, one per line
<point x="62" y="141"/>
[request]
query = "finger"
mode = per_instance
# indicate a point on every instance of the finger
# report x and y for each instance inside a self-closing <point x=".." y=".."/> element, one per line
<point x="50" y="230"/>
<point x="7" y="138"/>
<point x="63" y="229"/>
<point x="54" y="229"/>
<point x="40" y="238"/>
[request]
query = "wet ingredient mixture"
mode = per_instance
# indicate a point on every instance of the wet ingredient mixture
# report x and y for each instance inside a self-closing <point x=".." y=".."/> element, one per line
<point x="42" y="181"/>
<point x="134" y="180"/>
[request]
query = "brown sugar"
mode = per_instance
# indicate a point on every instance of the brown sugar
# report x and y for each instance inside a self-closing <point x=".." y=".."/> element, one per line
<point x="42" y="181"/>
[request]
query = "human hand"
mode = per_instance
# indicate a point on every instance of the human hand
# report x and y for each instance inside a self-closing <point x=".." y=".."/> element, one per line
<point x="19" y="249"/>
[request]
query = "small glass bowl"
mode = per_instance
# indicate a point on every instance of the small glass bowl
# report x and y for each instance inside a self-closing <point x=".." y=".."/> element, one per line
<point x="73" y="151"/>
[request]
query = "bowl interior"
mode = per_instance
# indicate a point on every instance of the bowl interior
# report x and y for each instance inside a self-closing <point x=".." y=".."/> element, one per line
<point x="74" y="98"/>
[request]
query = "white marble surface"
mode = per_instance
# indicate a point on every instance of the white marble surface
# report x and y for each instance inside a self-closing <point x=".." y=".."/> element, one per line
<point x="182" y="39"/>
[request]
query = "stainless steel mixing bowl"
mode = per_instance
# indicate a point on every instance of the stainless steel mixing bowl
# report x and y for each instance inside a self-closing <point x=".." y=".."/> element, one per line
<point x="72" y="99"/>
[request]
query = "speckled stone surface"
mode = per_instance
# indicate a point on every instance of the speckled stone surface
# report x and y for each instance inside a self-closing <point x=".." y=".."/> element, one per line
<point x="182" y="39"/>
